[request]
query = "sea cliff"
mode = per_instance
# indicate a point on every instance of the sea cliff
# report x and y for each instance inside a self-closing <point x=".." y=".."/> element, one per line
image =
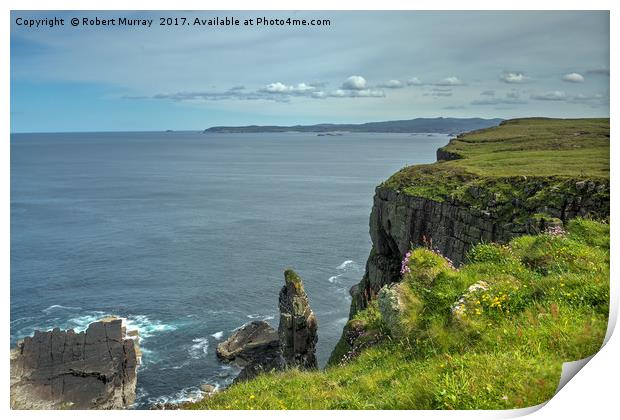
<point x="488" y="269"/>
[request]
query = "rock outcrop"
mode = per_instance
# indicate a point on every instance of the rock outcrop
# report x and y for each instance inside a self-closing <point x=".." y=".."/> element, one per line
<point x="399" y="221"/>
<point x="298" y="325"/>
<point x="255" y="347"/>
<point x="95" y="369"/>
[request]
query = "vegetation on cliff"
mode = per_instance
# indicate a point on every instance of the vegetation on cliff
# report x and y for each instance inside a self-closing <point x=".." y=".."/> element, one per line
<point x="501" y="159"/>
<point x="492" y="334"/>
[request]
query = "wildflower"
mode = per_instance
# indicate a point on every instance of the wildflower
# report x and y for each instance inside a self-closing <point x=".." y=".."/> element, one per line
<point x="252" y="397"/>
<point x="404" y="266"/>
<point x="555" y="231"/>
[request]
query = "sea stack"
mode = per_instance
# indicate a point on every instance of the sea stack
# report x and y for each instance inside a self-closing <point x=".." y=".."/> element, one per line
<point x="93" y="369"/>
<point x="298" y="325"/>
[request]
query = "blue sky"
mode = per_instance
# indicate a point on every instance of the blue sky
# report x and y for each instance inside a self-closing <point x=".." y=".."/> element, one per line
<point x="365" y="66"/>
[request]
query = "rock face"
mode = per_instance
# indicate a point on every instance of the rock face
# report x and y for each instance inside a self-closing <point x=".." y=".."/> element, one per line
<point x="399" y="220"/>
<point x="298" y="325"/>
<point x="255" y="347"/>
<point x="95" y="369"/>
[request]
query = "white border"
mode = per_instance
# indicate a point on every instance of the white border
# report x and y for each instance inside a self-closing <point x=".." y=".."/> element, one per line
<point x="592" y="393"/>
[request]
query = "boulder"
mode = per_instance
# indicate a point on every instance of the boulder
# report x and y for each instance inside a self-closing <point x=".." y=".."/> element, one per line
<point x="392" y="308"/>
<point x="94" y="369"/>
<point x="255" y="347"/>
<point x="298" y="325"/>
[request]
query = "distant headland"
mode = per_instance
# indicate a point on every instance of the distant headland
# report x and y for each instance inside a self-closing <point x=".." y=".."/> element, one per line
<point x="416" y="125"/>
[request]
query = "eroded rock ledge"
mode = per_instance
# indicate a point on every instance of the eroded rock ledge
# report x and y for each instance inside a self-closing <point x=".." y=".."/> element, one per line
<point x="94" y="369"/>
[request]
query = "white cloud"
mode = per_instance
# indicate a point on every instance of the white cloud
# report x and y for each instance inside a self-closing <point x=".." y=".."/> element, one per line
<point x="556" y="95"/>
<point x="514" y="77"/>
<point x="392" y="84"/>
<point x="354" y="83"/>
<point x="281" y="88"/>
<point x="449" y="81"/>
<point x="439" y="92"/>
<point x="361" y="93"/>
<point x="414" y="81"/>
<point x="573" y="78"/>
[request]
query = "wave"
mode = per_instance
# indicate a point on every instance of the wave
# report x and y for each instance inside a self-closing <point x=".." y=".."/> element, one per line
<point x="218" y="335"/>
<point x="189" y="394"/>
<point x="258" y="316"/>
<point x="345" y="265"/>
<point x="334" y="279"/>
<point x="181" y="366"/>
<point x="53" y="308"/>
<point x="146" y="327"/>
<point x="200" y="347"/>
<point x="26" y="318"/>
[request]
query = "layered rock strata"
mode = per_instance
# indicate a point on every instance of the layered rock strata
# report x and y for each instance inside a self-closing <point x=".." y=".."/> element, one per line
<point x="94" y="369"/>
<point x="400" y="221"/>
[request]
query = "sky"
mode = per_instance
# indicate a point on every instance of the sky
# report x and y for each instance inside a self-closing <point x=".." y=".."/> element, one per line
<point x="363" y="66"/>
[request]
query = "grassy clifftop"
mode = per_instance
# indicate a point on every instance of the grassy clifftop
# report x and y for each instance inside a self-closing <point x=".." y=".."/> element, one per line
<point x="516" y="150"/>
<point x="492" y="334"/>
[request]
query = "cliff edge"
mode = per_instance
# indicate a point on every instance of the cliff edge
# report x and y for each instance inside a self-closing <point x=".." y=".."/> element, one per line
<point x="492" y="185"/>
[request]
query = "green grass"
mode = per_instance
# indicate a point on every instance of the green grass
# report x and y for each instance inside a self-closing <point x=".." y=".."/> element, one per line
<point x="546" y="301"/>
<point x="530" y="150"/>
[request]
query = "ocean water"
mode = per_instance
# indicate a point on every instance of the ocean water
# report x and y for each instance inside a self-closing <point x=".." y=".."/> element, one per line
<point x="186" y="235"/>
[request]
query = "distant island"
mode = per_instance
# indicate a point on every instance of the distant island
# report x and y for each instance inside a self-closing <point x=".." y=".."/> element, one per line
<point x="416" y="125"/>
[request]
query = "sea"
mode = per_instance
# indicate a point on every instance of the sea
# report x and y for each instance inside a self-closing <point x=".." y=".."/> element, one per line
<point x="186" y="235"/>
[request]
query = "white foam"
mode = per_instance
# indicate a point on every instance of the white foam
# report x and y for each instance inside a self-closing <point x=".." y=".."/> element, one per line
<point x="259" y="316"/>
<point x="345" y="265"/>
<point x="181" y="366"/>
<point x="145" y="326"/>
<point x="26" y="318"/>
<point x="218" y="335"/>
<point x="333" y="279"/>
<point x="53" y="308"/>
<point x="199" y="348"/>
<point x="190" y="394"/>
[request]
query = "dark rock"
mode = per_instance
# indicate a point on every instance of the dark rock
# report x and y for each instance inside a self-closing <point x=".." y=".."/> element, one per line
<point x="399" y="221"/>
<point x="255" y="347"/>
<point x="95" y="369"/>
<point x="298" y="325"/>
<point x="443" y="154"/>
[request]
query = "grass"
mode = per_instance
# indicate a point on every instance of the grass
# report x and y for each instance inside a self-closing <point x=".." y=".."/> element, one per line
<point x="545" y="301"/>
<point x="530" y="149"/>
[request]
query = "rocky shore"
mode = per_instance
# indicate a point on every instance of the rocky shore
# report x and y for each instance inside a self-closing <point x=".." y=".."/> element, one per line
<point x="93" y="369"/>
